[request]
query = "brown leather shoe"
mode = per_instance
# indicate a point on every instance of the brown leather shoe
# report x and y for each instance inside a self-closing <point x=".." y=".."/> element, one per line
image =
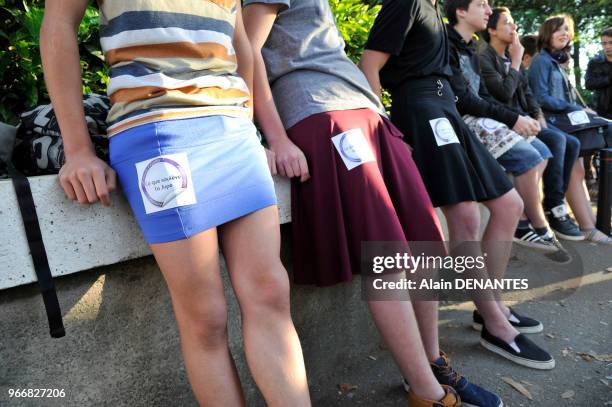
<point x="450" y="399"/>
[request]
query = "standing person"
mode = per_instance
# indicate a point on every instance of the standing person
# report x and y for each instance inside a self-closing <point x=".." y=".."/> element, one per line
<point x="507" y="82"/>
<point x="553" y="92"/>
<point x="527" y="157"/>
<point x="599" y="76"/>
<point x="193" y="170"/>
<point x="308" y="98"/>
<point x="407" y="52"/>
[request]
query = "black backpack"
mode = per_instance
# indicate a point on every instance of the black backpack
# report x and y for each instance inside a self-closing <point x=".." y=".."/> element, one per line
<point x="39" y="148"/>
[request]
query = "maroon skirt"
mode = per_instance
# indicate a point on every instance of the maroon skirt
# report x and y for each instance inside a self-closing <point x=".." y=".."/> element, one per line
<point x="337" y="209"/>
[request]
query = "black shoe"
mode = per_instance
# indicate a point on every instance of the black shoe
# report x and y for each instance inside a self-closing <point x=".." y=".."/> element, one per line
<point x="562" y="225"/>
<point x="529" y="238"/>
<point x="521" y="351"/>
<point x="522" y="324"/>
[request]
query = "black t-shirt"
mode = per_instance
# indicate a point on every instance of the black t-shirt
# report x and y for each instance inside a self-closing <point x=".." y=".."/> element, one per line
<point x="413" y="33"/>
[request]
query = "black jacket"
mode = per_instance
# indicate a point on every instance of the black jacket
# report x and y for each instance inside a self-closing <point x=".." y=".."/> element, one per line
<point x="599" y="79"/>
<point x="472" y="93"/>
<point x="507" y="85"/>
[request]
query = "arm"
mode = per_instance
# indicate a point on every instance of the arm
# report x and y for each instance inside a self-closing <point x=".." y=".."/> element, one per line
<point x="500" y="88"/>
<point x="84" y="177"/>
<point x="290" y="160"/>
<point x="386" y="38"/>
<point x="538" y="73"/>
<point x="244" y="53"/>
<point x="370" y="64"/>
<point x="596" y="78"/>
<point x="470" y="103"/>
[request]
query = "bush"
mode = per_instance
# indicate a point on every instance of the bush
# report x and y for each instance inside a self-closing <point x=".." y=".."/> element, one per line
<point x="22" y="85"/>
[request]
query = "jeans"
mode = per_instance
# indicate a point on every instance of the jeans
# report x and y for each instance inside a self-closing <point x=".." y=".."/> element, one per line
<point x="523" y="156"/>
<point x="565" y="149"/>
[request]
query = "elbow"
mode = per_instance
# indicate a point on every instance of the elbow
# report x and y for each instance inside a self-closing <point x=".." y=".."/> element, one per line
<point x="364" y="66"/>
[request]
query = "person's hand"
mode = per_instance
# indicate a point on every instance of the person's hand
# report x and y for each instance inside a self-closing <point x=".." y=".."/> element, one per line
<point x="526" y="126"/>
<point x="290" y="160"/>
<point x="516" y="51"/>
<point x="86" y="178"/>
<point x="271" y="157"/>
<point x="536" y="125"/>
<point x="542" y="121"/>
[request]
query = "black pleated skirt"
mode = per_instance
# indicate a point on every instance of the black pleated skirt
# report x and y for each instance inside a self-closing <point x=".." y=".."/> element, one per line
<point x="454" y="164"/>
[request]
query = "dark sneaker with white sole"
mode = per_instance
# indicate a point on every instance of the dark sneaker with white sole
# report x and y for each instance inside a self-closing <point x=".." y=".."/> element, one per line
<point x="521" y="323"/>
<point x="528" y="237"/>
<point x="521" y="351"/>
<point x="563" y="226"/>
<point x="471" y="395"/>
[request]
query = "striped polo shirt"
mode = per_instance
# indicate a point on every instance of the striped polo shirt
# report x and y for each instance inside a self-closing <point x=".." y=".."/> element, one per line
<point x="170" y="60"/>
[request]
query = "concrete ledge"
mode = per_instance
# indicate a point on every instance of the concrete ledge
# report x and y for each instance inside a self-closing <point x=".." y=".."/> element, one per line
<point x="77" y="237"/>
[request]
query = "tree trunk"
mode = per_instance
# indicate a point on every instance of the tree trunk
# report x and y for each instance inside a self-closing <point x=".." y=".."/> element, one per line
<point x="576" y="56"/>
<point x="577" y="69"/>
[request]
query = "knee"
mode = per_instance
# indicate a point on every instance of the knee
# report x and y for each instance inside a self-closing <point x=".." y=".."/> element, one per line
<point x="509" y="206"/>
<point x="205" y="323"/>
<point x="464" y="218"/>
<point x="578" y="170"/>
<point x="572" y="145"/>
<point x="266" y="290"/>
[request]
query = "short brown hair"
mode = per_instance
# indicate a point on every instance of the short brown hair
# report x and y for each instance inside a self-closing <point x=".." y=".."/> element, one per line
<point x="530" y="43"/>
<point x="550" y="26"/>
<point x="493" y="20"/>
<point x="607" y="32"/>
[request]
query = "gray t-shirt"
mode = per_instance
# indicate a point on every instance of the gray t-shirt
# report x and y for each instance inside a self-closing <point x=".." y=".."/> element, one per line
<point x="308" y="69"/>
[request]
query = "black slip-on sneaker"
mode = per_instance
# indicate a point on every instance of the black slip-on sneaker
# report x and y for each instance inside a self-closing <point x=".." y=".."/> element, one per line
<point x="522" y="324"/>
<point x="521" y="351"/>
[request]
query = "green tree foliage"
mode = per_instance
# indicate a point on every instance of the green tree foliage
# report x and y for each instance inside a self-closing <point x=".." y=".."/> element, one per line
<point x="590" y="17"/>
<point x="354" y="18"/>
<point x="22" y="86"/>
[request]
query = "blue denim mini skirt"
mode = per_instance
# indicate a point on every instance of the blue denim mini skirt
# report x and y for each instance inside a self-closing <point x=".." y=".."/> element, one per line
<point x="184" y="176"/>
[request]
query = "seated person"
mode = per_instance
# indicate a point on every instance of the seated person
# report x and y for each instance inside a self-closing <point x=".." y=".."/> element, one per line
<point x="507" y="81"/>
<point x="555" y="95"/>
<point x="519" y="152"/>
<point x="530" y="43"/>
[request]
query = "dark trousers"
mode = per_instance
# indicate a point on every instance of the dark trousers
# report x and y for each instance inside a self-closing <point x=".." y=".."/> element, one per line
<point x="565" y="149"/>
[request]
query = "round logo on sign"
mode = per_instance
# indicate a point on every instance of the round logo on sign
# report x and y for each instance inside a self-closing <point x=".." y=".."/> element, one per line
<point x="490" y="125"/>
<point x="348" y="149"/>
<point x="444" y="130"/>
<point x="163" y="179"/>
<point x="580" y="116"/>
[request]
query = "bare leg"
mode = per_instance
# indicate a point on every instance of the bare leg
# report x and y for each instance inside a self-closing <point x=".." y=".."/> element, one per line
<point x="191" y="270"/>
<point x="578" y="197"/>
<point x="426" y="313"/>
<point x="463" y="221"/>
<point x="504" y="214"/>
<point x="251" y="246"/>
<point x="397" y="324"/>
<point x="527" y="185"/>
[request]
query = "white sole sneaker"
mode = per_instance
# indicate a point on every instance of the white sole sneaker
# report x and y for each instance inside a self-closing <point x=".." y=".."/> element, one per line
<point x="568" y="237"/>
<point x="524" y="330"/>
<point x="548" y="365"/>
<point x="536" y="246"/>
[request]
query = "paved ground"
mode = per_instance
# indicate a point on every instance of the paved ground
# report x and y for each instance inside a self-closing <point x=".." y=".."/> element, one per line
<point x="122" y="346"/>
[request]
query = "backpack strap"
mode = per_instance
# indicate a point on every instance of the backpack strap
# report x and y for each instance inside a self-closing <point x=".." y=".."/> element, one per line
<point x="37" y="251"/>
